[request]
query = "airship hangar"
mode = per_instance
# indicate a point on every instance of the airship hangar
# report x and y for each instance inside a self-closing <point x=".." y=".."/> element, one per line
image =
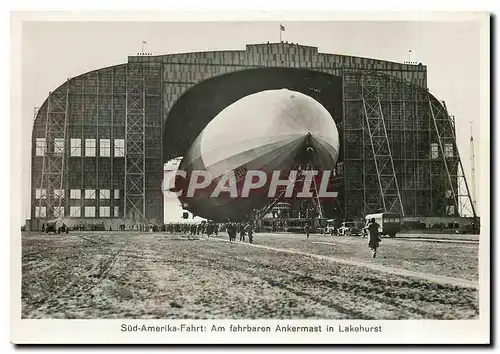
<point x="100" y="140"/>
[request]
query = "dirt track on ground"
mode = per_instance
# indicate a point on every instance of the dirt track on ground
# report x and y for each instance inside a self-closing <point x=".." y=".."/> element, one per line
<point x="129" y="275"/>
<point x="458" y="260"/>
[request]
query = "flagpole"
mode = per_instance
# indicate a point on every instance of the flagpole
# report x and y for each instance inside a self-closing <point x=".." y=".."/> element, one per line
<point x="142" y="47"/>
<point x="282" y="29"/>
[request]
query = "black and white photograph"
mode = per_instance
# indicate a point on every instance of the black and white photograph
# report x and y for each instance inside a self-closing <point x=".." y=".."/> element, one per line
<point x="271" y="179"/>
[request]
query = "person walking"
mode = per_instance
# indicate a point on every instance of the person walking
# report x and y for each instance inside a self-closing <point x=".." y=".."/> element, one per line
<point x="374" y="237"/>
<point x="249" y="230"/>
<point x="307" y="229"/>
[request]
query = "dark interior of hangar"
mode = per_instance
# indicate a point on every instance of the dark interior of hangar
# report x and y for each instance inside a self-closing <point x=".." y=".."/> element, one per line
<point x="199" y="105"/>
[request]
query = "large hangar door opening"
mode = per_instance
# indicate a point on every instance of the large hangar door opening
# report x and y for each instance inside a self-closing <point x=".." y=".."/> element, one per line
<point x="202" y="103"/>
<point x="199" y="105"/>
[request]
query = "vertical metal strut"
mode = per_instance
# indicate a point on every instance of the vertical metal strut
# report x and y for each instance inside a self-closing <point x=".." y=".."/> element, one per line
<point x="377" y="132"/>
<point x="135" y="200"/>
<point x="55" y="149"/>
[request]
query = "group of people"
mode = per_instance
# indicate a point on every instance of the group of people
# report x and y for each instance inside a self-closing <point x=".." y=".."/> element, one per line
<point x="211" y="228"/>
<point x="243" y="229"/>
<point x="208" y="228"/>
<point x="247" y="229"/>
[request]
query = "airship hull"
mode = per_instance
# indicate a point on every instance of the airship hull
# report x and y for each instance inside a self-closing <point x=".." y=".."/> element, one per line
<point x="267" y="131"/>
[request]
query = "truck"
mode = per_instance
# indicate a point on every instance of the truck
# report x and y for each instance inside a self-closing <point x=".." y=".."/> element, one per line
<point x="389" y="223"/>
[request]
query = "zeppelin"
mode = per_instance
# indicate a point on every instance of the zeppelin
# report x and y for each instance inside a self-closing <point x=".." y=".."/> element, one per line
<point x="269" y="133"/>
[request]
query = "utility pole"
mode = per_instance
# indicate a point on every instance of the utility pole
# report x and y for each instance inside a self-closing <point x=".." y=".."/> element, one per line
<point x="472" y="168"/>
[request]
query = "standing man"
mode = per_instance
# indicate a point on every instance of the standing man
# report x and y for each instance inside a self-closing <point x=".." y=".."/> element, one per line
<point x="307" y="229"/>
<point x="249" y="230"/>
<point x="374" y="237"/>
<point x="209" y="229"/>
<point x="241" y="230"/>
<point x="231" y="231"/>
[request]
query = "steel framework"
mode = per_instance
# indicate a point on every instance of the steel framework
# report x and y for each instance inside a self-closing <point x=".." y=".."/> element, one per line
<point x="53" y="165"/>
<point x="354" y="163"/>
<point x="399" y="151"/>
<point x="135" y="140"/>
<point x="317" y="203"/>
<point x="455" y="193"/>
<point x="390" y="195"/>
<point x="362" y="186"/>
<point x="301" y="177"/>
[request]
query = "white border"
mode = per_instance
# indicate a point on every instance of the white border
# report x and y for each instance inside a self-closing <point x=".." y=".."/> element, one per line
<point x="107" y="331"/>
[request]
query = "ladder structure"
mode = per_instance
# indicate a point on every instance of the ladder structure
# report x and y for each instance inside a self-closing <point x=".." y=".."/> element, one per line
<point x="455" y="190"/>
<point x="390" y="195"/>
<point x="54" y="156"/>
<point x="135" y="140"/>
<point x="276" y="200"/>
<point x="301" y="177"/>
<point x="315" y="198"/>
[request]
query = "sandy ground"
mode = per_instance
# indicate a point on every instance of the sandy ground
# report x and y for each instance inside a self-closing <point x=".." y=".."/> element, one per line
<point x="464" y="237"/>
<point x="133" y="275"/>
<point x="458" y="260"/>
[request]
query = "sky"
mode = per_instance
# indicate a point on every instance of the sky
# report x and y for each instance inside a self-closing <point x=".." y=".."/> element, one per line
<point x="55" y="51"/>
